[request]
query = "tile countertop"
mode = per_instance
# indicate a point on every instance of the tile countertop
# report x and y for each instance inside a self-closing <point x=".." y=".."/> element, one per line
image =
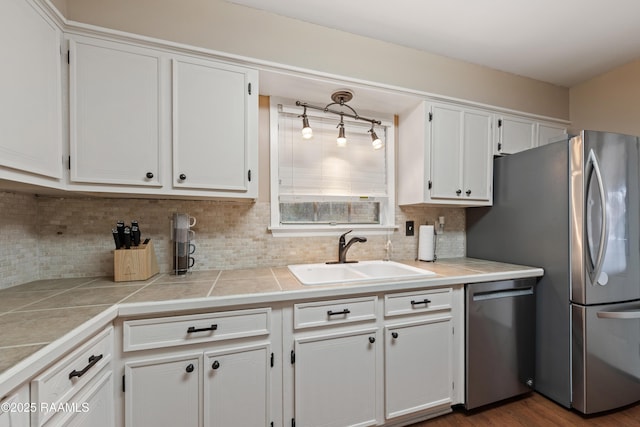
<point x="41" y="320"/>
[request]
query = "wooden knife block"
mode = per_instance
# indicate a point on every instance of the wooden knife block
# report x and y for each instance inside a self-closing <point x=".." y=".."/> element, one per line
<point x="137" y="263"/>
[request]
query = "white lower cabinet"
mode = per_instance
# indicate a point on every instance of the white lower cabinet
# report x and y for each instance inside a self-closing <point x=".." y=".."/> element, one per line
<point x="63" y="391"/>
<point x="211" y="369"/>
<point x="94" y="408"/>
<point x="237" y="387"/>
<point x="12" y="408"/>
<point x="335" y="379"/>
<point x="164" y="391"/>
<point x="418" y="362"/>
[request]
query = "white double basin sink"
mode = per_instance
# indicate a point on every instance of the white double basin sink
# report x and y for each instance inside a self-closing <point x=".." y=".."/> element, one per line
<point x="325" y="274"/>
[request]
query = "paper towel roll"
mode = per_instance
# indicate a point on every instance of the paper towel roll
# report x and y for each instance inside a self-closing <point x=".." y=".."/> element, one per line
<point x="425" y="243"/>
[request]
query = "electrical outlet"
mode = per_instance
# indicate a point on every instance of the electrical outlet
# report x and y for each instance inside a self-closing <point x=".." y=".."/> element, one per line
<point x="409" y="228"/>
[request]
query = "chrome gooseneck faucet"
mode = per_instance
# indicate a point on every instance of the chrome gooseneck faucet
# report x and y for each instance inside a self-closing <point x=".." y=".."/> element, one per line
<point x="343" y="247"/>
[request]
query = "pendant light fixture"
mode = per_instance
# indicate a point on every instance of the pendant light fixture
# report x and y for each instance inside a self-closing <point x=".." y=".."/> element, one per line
<point x="339" y="98"/>
<point x="307" y="132"/>
<point x="342" y="139"/>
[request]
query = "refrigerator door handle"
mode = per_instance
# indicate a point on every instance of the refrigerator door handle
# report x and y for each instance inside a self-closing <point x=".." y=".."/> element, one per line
<point x="594" y="273"/>
<point x="621" y="314"/>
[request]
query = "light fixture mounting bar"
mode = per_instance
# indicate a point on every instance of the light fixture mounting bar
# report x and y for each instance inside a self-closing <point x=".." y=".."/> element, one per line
<point x="326" y="109"/>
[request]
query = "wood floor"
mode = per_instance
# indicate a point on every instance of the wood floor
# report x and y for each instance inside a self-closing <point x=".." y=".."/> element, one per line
<point x="534" y="410"/>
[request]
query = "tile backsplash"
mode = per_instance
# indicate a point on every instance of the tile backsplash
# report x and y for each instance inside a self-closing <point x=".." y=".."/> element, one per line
<point x="50" y="237"/>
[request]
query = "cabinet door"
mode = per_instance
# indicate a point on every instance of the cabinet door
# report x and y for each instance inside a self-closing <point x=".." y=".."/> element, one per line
<point x="418" y="367"/>
<point x="213" y="125"/>
<point x="515" y="134"/>
<point x="30" y="88"/>
<point x="550" y="133"/>
<point x="446" y="166"/>
<point x="237" y="387"/>
<point x="335" y="380"/>
<point x="16" y="413"/>
<point x="477" y="156"/>
<point x="92" y="408"/>
<point x="164" y="391"/>
<point x="114" y="113"/>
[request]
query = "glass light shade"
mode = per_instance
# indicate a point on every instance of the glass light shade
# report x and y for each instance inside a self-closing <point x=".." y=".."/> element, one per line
<point x="342" y="139"/>
<point x="307" y="132"/>
<point x="375" y="141"/>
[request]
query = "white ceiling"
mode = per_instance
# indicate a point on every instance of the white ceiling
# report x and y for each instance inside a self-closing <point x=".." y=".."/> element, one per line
<point x="563" y="42"/>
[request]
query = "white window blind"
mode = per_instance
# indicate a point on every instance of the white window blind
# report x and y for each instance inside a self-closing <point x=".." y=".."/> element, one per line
<point x="318" y="167"/>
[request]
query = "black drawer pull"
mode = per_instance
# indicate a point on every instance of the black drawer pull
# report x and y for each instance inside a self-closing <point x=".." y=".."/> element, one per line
<point x="425" y="301"/>
<point x="190" y="368"/>
<point x="194" y="329"/>
<point x="372" y="340"/>
<point x="215" y="365"/>
<point x="394" y="335"/>
<point x="92" y="361"/>
<point x="337" y="313"/>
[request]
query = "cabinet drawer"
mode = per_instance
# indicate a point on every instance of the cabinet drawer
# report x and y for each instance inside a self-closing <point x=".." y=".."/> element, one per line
<point x="322" y="313"/>
<point x="180" y="330"/>
<point x="62" y="381"/>
<point x="417" y="302"/>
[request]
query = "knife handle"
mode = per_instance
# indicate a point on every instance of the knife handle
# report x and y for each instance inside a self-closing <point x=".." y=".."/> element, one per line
<point x="127" y="238"/>
<point x="116" y="238"/>
<point x="135" y="235"/>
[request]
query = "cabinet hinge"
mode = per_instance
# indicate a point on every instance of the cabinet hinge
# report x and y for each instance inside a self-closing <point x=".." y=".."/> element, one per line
<point x="272" y="360"/>
<point x="499" y="123"/>
<point x="293" y="357"/>
<point x="123" y="383"/>
<point x="453" y="330"/>
<point x="499" y="146"/>
<point x="68" y="57"/>
<point x="271" y="423"/>
<point x="249" y="88"/>
<point x="430" y="184"/>
<point x="430" y="116"/>
<point x="69" y="163"/>
<point x="293" y="422"/>
<point x="453" y="386"/>
<point x="249" y="175"/>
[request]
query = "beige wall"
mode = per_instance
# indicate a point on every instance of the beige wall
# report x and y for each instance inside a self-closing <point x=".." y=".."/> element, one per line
<point x="218" y="25"/>
<point x="609" y="102"/>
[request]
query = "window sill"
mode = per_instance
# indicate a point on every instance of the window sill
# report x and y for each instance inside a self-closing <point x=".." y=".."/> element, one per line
<point x="330" y="230"/>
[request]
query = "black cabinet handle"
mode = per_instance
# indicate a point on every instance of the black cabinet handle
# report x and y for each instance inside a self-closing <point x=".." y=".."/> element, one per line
<point x="458" y="192"/>
<point x="215" y="365"/>
<point x="425" y="301"/>
<point x="194" y="329"/>
<point x="190" y="368"/>
<point x="149" y="175"/>
<point x="337" y="313"/>
<point x="182" y="177"/>
<point x="92" y="361"/>
<point x="372" y="340"/>
<point x="394" y="334"/>
<point x="468" y="192"/>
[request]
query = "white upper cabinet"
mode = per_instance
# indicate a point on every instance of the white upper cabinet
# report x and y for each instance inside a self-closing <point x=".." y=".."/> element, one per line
<point x="147" y="120"/>
<point x="30" y="84"/>
<point x="214" y="116"/>
<point x="114" y="113"/>
<point x="514" y="134"/>
<point x="445" y="156"/>
<point x="550" y="132"/>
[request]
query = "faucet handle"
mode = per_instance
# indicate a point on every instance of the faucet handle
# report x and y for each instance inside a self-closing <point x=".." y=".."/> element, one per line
<point x="342" y="236"/>
<point x="342" y="239"/>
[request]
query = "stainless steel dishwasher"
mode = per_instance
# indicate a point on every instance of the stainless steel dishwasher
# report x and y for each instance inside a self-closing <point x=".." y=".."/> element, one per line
<point x="500" y="340"/>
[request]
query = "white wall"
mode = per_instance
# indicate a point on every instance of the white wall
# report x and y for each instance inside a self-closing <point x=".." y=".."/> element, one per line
<point x="609" y="102"/>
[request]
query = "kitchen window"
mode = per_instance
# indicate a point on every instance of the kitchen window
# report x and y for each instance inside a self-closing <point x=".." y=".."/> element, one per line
<point x="319" y="187"/>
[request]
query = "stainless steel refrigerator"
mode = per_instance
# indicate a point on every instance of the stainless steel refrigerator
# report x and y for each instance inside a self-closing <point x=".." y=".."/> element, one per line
<point x="573" y="208"/>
